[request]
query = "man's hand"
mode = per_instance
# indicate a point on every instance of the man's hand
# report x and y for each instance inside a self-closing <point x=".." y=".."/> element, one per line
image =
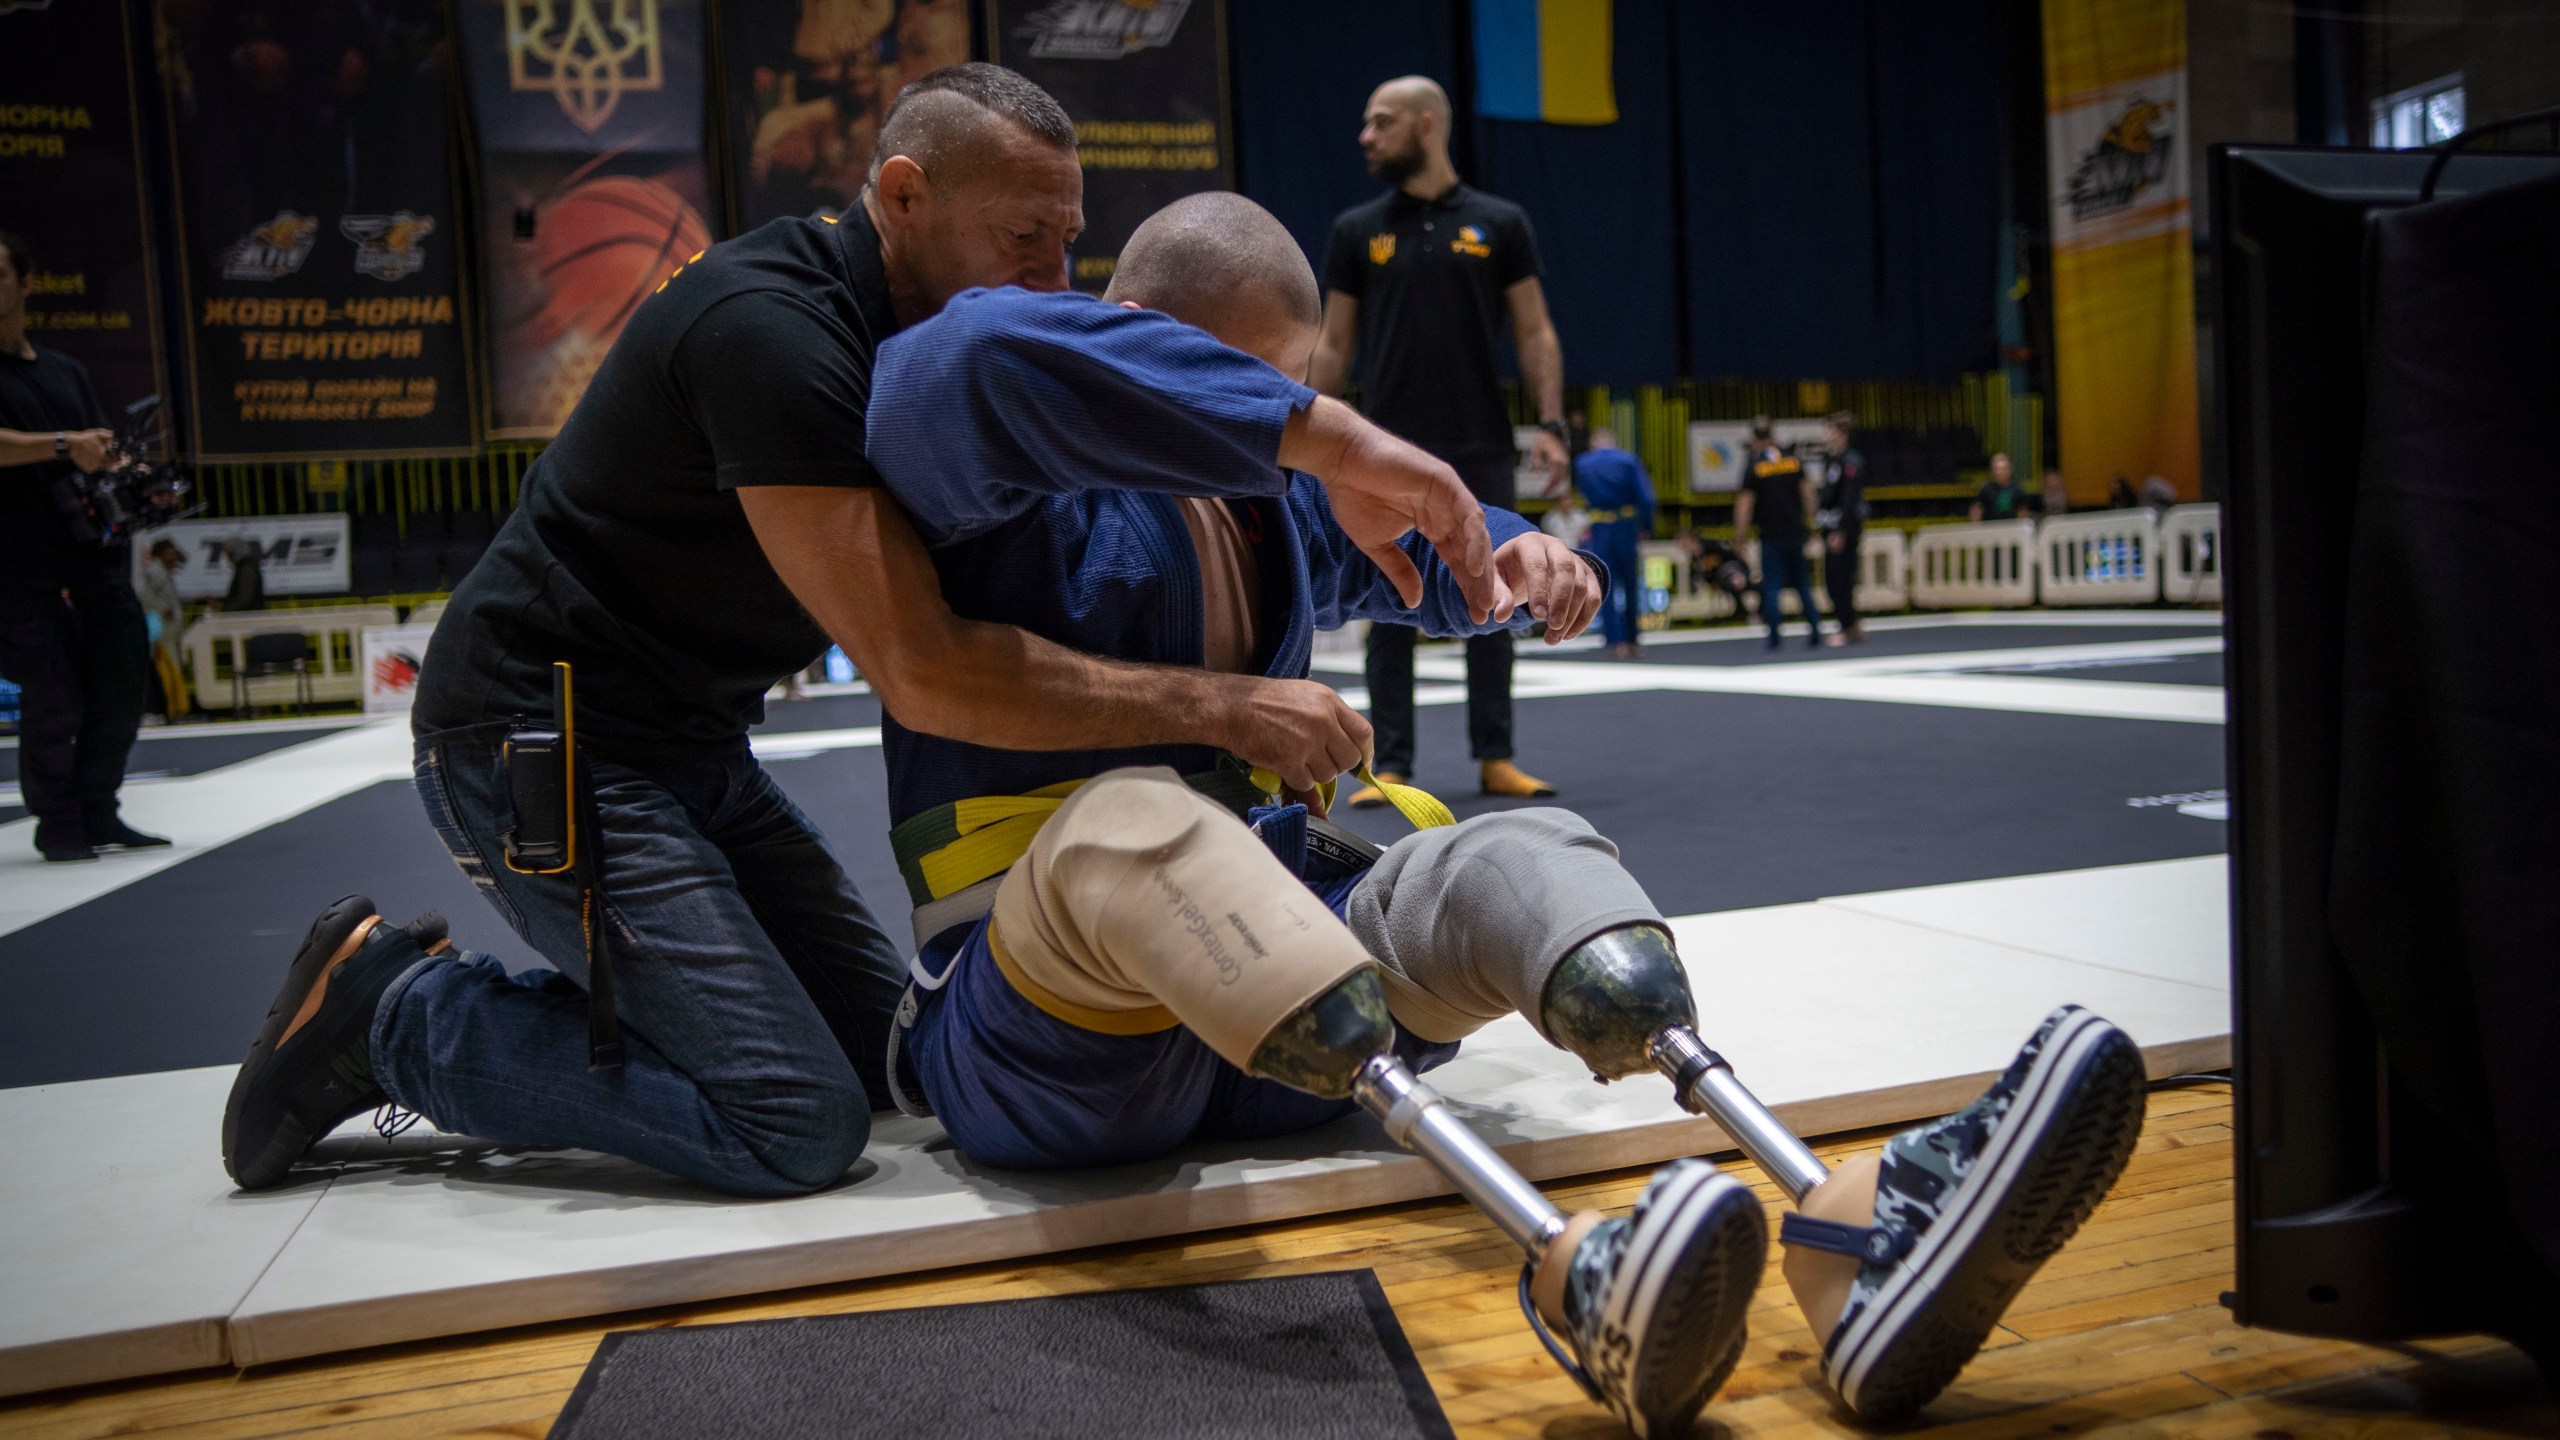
<point x="1299" y="730"/>
<point x="1548" y="454"/>
<point x="89" y="447"/>
<point x="1381" y="488"/>
<point x="1543" y="574"/>
<point x="1832" y="541"/>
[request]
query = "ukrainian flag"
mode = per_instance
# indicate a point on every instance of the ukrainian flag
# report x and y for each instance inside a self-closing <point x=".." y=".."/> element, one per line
<point x="1544" y="60"/>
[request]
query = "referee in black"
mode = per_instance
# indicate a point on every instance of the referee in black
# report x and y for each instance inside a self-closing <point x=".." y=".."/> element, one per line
<point x="1419" y="280"/>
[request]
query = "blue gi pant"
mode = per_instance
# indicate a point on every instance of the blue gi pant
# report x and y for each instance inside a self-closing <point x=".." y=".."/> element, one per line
<point x="1623" y="606"/>
<point x="754" y="987"/>
<point x="1783" y="567"/>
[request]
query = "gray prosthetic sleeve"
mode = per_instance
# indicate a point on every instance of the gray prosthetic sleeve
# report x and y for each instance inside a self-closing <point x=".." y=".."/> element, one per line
<point x="1469" y="920"/>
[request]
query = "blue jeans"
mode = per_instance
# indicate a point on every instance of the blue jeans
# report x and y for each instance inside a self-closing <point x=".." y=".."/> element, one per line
<point x="754" y="987"/>
<point x="1623" y="605"/>
<point x="1783" y="567"/>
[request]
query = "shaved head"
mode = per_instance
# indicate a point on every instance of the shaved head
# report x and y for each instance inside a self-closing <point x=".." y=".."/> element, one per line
<point x="1220" y="262"/>
<point x="1416" y="94"/>
<point x="958" y="123"/>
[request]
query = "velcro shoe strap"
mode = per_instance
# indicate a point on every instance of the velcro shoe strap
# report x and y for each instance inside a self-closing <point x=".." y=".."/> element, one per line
<point x="1875" y="1244"/>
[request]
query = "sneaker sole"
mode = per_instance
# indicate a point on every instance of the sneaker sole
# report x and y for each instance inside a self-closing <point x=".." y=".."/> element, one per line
<point x="332" y="938"/>
<point x="1697" y="1262"/>
<point x="2064" y="1141"/>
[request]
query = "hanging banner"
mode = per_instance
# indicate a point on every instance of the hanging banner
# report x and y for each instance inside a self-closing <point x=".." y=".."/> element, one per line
<point x="808" y="83"/>
<point x="1146" y="83"/>
<point x="589" y="120"/>
<point x="71" y="169"/>
<point x="325" y="308"/>
<point x="2123" y="260"/>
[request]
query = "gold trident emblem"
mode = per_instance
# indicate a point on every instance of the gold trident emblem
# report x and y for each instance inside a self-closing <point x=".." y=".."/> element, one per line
<point x="586" y="59"/>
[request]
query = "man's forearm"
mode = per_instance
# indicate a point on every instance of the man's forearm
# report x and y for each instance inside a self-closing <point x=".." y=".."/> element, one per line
<point x="18" y="447"/>
<point x="1008" y="689"/>
<point x="1542" y="370"/>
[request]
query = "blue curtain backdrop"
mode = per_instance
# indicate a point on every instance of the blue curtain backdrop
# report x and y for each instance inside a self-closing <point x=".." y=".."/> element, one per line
<point x="1800" y="191"/>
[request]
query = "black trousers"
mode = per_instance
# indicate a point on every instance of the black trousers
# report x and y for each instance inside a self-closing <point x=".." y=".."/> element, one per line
<point x="1491" y="478"/>
<point x="1840" y="576"/>
<point x="81" y="666"/>
<point x="1391" y="695"/>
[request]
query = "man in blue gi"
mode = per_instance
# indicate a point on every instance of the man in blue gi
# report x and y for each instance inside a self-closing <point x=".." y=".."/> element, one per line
<point x="1125" y="951"/>
<point x="1618" y="491"/>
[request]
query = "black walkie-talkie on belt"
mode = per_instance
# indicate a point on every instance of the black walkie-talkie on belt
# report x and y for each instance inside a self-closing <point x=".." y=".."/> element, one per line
<point x="554" y="808"/>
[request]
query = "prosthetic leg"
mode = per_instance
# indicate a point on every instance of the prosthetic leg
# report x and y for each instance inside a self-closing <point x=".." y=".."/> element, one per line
<point x="1965" y="1209"/>
<point x="1141" y="905"/>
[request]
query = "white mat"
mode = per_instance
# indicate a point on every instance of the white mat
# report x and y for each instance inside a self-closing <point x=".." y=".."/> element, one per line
<point x="124" y="1253"/>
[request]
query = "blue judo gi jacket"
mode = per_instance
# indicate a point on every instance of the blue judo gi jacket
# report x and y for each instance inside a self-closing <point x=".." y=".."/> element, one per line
<point x="1038" y="440"/>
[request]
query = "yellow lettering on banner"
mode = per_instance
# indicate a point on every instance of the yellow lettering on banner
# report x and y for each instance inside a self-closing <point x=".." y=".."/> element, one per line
<point x="46" y="117"/>
<point x="18" y="145"/>
<point x="1145" y="132"/>
<point x="1148" y="157"/>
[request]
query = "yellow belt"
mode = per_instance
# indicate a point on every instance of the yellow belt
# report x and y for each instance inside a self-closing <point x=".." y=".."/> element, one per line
<point x="993" y="831"/>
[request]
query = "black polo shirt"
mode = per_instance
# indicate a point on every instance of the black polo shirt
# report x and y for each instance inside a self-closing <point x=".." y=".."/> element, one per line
<point x="1430" y="276"/>
<point x="37" y="554"/>
<point x="1775" y="481"/>
<point x="628" y="556"/>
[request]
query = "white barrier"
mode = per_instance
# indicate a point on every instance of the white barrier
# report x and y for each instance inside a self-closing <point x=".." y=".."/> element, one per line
<point x="213" y="646"/>
<point x="2104" y="557"/>
<point x="2191" y="555"/>
<point x="1992" y="564"/>
<point x="426" y="614"/>
<point x="1884" y="572"/>
<point x="1689" y="599"/>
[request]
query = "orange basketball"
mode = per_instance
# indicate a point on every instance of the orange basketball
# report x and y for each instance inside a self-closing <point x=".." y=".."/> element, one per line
<point x="601" y="248"/>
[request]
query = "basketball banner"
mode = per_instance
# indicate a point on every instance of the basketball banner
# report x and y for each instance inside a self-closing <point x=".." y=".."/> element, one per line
<point x="71" y="170"/>
<point x="325" y="314"/>
<point x="808" y="83"/>
<point x="1146" y="83"/>
<point x="589" y="120"/>
<point x="2123" y="258"/>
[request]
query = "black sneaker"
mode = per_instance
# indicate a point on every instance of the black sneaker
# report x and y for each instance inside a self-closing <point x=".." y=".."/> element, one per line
<point x="1968" y="1207"/>
<point x="114" y="834"/>
<point x="1655" y="1304"/>
<point x="310" y="1068"/>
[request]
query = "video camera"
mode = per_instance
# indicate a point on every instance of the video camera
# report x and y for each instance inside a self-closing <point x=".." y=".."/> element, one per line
<point x="135" y="492"/>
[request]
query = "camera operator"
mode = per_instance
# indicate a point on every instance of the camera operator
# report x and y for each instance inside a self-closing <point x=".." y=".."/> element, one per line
<point x="72" y="634"/>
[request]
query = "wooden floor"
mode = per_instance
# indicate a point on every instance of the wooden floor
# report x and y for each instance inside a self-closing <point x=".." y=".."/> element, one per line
<point x="2121" y="1335"/>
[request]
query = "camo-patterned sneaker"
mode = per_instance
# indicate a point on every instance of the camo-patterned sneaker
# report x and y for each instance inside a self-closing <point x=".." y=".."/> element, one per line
<point x="1654" y="1304"/>
<point x="1968" y="1207"/>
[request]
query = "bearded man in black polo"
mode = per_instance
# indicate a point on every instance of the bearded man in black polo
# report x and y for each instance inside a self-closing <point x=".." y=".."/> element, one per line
<point x="1418" y="281"/>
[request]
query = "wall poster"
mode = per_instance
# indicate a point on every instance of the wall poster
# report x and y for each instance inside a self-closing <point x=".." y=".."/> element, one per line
<point x="326" y="314"/>
<point x="1146" y="83"/>
<point x="71" y="169"/>
<point x="808" y="83"/>
<point x="589" y="117"/>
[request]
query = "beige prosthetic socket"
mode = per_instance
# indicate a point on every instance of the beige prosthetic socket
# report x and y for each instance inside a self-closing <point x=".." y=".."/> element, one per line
<point x="1142" y="905"/>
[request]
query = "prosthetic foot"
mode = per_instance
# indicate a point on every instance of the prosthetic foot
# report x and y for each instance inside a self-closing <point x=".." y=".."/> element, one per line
<point x="1653" y="1306"/>
<point x="1968" y="1207"/>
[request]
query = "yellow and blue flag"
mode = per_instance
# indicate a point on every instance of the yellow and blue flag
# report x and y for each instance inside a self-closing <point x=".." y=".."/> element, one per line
<point x="1544" y="60"/>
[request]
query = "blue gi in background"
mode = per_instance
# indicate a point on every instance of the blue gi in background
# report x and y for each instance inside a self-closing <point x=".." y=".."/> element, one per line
<point x="1038" y="442"/>
<point x="1618" y="492"/>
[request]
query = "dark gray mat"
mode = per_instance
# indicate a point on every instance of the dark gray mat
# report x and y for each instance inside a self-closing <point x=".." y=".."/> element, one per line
<point x="1718" y="802"/>
<point x="2205" y="670"/>
<point x="1308" y="1357"/>
<point x="194" y="749"/>
<point x="1913" y="640"/>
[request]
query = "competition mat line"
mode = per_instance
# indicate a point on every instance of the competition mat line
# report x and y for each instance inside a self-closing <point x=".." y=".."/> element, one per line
<point x="129" y="1254"/>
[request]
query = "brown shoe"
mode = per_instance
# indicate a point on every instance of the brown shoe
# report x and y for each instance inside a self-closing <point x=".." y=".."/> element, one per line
<point x="1370" y="797"/>
<point x="1505" y="779"/>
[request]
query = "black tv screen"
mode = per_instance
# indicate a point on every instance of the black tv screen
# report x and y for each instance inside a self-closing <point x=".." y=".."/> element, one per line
<point x="2349" y="1192"/>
